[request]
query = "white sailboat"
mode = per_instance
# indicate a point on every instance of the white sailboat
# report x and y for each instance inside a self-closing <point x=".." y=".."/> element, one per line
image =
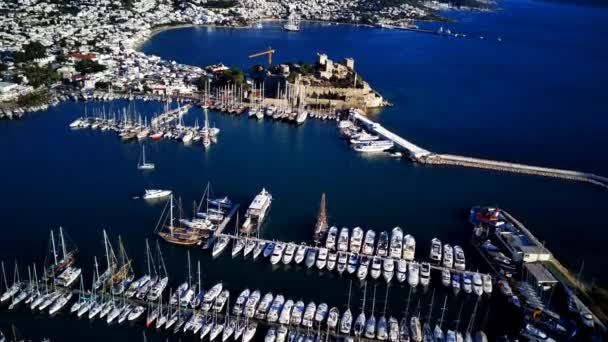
<point x="143" y="165"/>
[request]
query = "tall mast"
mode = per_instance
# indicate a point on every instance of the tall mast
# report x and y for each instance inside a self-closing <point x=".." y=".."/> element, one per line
<point x="62" y="242"/>
<point x="428" y="319"/>
<point x="171" y="213"/>
<point x="54" y="248"/>
<point x="189" y="271"/>
<point x="199" y="276"/>
<point x="148" y="257"/>
<point x="445" y="300"/>
<point x="105" y="243"/>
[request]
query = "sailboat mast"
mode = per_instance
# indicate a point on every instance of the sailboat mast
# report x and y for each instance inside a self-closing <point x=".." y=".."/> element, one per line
<point x="171" y="213"/>
<point x="105" y="242"/>
<point x="189" y="271"/>
<point x="4" y="276"/>
<point x="199" y="276"/>
<point x="148" y="257"/>
<point x="63" y="251"/>
<point x="54" y="248"/>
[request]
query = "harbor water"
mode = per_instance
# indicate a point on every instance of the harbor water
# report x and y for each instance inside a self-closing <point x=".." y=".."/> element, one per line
<point x="535" y="97"/>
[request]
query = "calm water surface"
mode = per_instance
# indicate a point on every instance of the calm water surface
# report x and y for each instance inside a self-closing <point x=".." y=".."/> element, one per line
<point x="535" y="97"/>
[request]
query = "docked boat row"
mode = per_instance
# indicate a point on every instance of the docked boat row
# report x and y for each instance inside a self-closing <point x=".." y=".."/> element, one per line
<point x="361" y="265"/>
<point x="168" y="125"/>
<point x="362" y="141"/>
<point x="357" y="241"/>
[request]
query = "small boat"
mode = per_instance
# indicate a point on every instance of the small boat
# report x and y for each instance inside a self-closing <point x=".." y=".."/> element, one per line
<point x="300" y="253"/>
<point x="229" y="329"/>
<point x="213" y="293"/>
<point x="448" y="256"/>
<point x="356" y="240"/>
<point x="504" y="288"/>
<point x="376" y="268"/>
<point x="321" y="314"/>
<point x="264" y="306"/>
<point x="155" y="194"/>
<point x="346" y="322"/>
<point x="535" y="334"/>
<point x="60" y="303"/>
<point x="239" y="305"/>
<point x="393" y="329"/>
<point x="388" y="269"/>
<point x="369" y="242"/>
<point x="353" y="263"/>
<point x="285" y="316"/>
<point x="445" y="277"/>
<point x="404" y="330"/>
<point x="409" y="247"/>
<point x="332" y="236"/>
<point x="413" y="270"/>
<point x="396" y="244"/>
<point x="459" y="260"/>
<point x="259" y="248"/>
<point x="249" y="246"/>
<point x="297" y="313"/>
<point x="467" y="283"/>
<point x="322" y="258"/>
<point x="238" y="246"/>
<point x="477" y="284"/>
<point x="425" y="274"/>
<point x="332" y="258"/>
<point x="487" y="284"/>
<point x="363" y="268"/>
<point x="401" y="270"/>
<point x="333" y="318"/>
<point x="275" y="309"/>
<point x="382" y="248"/>
<point x="277" y="253"/>
<point x="252" y="303"/>
<point x="435" y="253"/>
<point x="382" y="328"/>
<point x="216" y="331"/>
<point x="359" y="326"/>
<point x="309" y="315"/>
<point x="136" y="313"/>
<point x="342" y="261"/>
<point x="343" y="239"/>
<point x="142" y="164"/>
<point x="268" y="249"/>
<point x="221" y="300"/>
<point x="220" y="245"/>
<point x="289" y="254"/>
<point x="270" y="335"/>
<point x="416" y="331"/>
<point x="456" y="283"/>
<point x="311" y="257"/>
<point x="281" y="334"/>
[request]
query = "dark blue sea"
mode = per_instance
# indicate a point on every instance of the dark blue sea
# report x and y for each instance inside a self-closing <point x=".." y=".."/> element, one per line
<point x="535" y="97"/>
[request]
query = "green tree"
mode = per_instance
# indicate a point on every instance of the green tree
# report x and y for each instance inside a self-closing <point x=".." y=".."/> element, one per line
<point x="3" y="67"/>
<point x="87" y="66"/>
<point x="38" y="76"/>
<point x="30" y="52"/>
<point x="230" y="76"/>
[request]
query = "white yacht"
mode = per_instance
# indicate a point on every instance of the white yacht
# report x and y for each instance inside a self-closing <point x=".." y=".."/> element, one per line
<point x="275" y="309"/>
<point x="448" y="256"/>
<point x="435" y="253"/>
<point x="376" y="267"/>
<point x="239" y="305"/>
<point x="254" y="217"/>
<point x="300" y="253"/>
<point x="332" y="257"/>
<point x="459" y="260"/>
<point x="409" y="247"/>
<point x="413" y="270"/>
<point x="446" y="278"/>
<point x="356" y="240"/>
<point x="369" y="242"/>
<point x="343" y="240"/>
<point x="285" y="316"/>
<point x="332" y="236"/>
<point x="383" y="245"/>
<point x="309" y="315"/>
<point x="297" y="313"/>
<point x="396" y="245"/>
<point x="60" y="303"/>
<point x="487" y="283"/>
<point x="143" y="164"/>
<point x="252" y="303"/>
<point x="220" y="245"/>
<point x="388" y="269"/>
<point x="425" y="274"/>
<point x="156" y="193"/>
<point x="363" y="268"/>
<point x="342" y="261"/>
<point x="289" y="253"/>
<point x="477" y="284"/>
<point x="322" y="258"/>
<point x="374" y="146"/>
<point x="277" y="253"/>
<point x="401" y="270"/>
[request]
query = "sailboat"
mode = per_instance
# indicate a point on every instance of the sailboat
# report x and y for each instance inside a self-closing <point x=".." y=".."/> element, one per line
<point x="143" y="165"/>
<point x="359" y="327"/>
<point x="174" y="234"/>
<point x="347" y="317"/>
<point x="370" y="326"/>
<point x="158" y="287"/>
<point x="59" y="265"/>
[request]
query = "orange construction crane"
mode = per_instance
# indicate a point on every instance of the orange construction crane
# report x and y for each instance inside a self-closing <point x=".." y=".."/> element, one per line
<point x="268" y="52"/>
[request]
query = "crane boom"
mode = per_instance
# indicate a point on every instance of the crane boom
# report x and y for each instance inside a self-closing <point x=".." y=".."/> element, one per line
<point x="268" y="52"/>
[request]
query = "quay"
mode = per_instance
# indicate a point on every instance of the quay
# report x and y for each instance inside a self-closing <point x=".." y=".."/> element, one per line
<point x="423" y="156"/>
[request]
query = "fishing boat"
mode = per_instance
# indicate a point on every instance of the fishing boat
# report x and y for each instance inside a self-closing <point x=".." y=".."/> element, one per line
<point x="332" y="258"/>
<point x="362" y="271"/>
<point x="332" y="238"/>
<point x="356" y="240"/>
<point x="297" y="313"/>
<point x="143" y="164"/>
<point x="459" y="259"/>
<point x="285" y="316"/>
<point x="301" y="253"/>
<point x="256" y="213"/>
<point x="275" y="309"/>
<point x="342" y="261"/>
<point x="425" y="274"/>
<point x="311" y="256"/>
<point x="277" y="253"/>
<point x="448" y="256"/>
<point x="322" y="258"/>
<point x="369" y="242"/>
<point x="388" y="269"/>
<point x="413" y="270"/>
<point x="435" y="253"/>
<point x="343" y="239"/>
<point x="383" y="245"/>
<point x="309" y="315"/>
<point x="376" y="268"/>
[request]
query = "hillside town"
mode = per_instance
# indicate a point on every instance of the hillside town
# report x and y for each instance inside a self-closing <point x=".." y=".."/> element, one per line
<point x="93" y="44"/>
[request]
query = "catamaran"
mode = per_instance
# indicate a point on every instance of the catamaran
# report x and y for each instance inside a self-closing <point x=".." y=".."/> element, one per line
<point x="142" y="164"/>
